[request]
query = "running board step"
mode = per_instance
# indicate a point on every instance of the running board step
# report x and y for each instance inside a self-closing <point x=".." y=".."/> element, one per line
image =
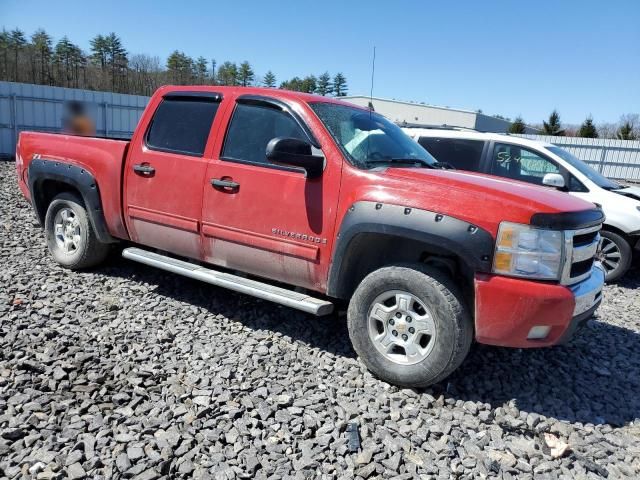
<point x="261" y="290"/>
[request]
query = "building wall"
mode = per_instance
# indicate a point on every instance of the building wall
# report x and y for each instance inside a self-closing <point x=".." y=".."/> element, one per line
<point x="429" y="115"/>
<point x="409" y="113"/>
<point x="486" y="123"/>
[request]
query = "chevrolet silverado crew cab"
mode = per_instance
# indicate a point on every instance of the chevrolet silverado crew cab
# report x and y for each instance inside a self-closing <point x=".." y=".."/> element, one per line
<point x="310" y="202"/>
<point x="540" y="163"/>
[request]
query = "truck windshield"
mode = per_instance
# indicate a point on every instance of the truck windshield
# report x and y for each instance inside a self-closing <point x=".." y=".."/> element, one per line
<point x="368" y="139"/>
<point x="586" y="170"/>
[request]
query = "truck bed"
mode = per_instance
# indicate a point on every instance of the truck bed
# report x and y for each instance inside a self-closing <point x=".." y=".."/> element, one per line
<point x="102" y="157"/>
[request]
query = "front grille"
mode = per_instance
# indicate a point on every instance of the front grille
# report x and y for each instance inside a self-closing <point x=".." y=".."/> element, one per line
<point x="580" y="268"/>
<point x="580" y="240"/>
<point x="580" y="251"/>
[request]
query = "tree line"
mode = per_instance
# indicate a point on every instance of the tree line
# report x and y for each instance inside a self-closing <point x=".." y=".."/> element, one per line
<point x="108" y="66"/>
<point x="628" y="128"/>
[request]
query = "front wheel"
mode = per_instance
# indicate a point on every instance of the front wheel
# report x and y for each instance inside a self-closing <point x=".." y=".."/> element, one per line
<point x="615" y="255"/>
<point x="409" y="325"/>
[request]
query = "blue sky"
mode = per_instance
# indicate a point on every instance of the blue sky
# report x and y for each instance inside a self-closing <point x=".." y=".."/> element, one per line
<point x="507" y="57"/>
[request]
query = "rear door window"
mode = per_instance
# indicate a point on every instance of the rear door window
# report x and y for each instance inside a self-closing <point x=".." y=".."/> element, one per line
<point x="182" y="125"/>
<point x="461" y="154"/>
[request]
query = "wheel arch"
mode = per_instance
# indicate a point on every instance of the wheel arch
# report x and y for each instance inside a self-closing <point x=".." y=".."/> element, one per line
<point x="374" y="235"/>
<point x="611" y="228"/>
<point x="48" y="178"/>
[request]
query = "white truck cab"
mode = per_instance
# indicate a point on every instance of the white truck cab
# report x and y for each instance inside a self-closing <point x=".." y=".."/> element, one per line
<point x="542" y="163"/>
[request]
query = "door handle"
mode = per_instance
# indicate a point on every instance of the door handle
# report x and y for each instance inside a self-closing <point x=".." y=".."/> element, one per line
<point x="225" y="185"/>
<point x="144" y="169"/>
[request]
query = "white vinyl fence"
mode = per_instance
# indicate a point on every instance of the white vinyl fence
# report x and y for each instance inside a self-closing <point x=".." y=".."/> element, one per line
<point x="618" y="159"/>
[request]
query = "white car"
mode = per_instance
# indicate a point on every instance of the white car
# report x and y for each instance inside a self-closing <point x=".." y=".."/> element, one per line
<point x="545" y="164"/>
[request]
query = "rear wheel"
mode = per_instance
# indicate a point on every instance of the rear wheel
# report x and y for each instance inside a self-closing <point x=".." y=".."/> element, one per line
<point x="70" y="236"/>
<point x="409" y="325"/>
<point x="615" y="255"/>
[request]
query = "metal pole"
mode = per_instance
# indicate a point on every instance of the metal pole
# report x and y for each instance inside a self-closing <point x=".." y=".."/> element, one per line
<point x="14" y="120"/>
<point x="106" y="128"/>
<point x="602" y="157"/>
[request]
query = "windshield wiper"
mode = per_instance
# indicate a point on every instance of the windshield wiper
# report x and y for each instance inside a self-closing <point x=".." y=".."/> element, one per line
<point x="444" y="166"/>
<point x="441" y="165"/>
<point x="404" y="161"/>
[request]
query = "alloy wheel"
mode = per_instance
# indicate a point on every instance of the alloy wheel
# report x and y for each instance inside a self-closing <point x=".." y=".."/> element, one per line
<point x="401" y="327"/>
<point x="67" y="231"/>
<point x="609" y="255"/>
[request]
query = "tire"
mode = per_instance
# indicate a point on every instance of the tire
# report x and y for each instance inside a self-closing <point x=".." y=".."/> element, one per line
<point x="73" y="244"/>
<point x="615" y="254"/>
<point x="441" y="343"/>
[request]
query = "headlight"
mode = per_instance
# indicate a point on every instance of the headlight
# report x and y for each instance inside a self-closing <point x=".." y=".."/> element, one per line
<point x="526" y="251"/>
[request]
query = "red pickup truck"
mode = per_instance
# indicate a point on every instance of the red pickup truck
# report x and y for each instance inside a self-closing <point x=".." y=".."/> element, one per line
<point x="311" y="202"/>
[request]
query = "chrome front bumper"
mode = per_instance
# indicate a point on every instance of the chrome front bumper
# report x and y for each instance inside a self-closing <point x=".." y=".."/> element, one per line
<point x="588" y="292"/>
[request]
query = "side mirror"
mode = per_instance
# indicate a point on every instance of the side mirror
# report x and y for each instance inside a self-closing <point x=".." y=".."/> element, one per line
<point x="295" y="153"/>
<point x="553" y="180"/>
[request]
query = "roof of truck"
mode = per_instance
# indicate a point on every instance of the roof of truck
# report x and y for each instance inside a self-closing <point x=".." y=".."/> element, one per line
<point x="271" y="92"/>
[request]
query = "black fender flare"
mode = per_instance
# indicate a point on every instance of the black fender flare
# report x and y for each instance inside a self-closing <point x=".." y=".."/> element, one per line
<point x="41" y="170"/>
<point x="472" y="244"/>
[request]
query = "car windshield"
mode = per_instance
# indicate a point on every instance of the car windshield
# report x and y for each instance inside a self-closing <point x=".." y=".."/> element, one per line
<point x="586" y="170"/>
<point x="368" y="139"/>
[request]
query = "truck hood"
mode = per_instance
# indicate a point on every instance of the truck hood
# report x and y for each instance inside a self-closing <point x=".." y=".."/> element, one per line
<point x="484" y="200"/>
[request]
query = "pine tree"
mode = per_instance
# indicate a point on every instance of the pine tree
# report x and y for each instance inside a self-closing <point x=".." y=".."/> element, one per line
<point x="553" y="126"/>
<point x="294" y="84"/>
<point x="339" y="85"/>
<point x="626" y="131"/>
<point x="228" y="74"/>
<point x="245" y="75"/>
<point x="17" y="41"/>
<point x="517" y="126"/>
<point x="68" y="59"/>
<point x="179" y="68"/>
<point x="588" y="129"/>
<point x="42" y="42"/>
<point x="269" y="79"/>
<point x="4" y="48"/>
<point x="309" y="84"/>
<point x="78" y="63"/>
<point x="174" y="66"/>
<point x="201" y="66"/>
<point x="324" y="86"/>
<point x="99" y="51"/>
<point x="117" y="59"/>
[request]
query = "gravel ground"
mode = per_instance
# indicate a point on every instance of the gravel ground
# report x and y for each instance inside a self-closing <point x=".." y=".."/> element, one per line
<point x="129" y="372"/>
